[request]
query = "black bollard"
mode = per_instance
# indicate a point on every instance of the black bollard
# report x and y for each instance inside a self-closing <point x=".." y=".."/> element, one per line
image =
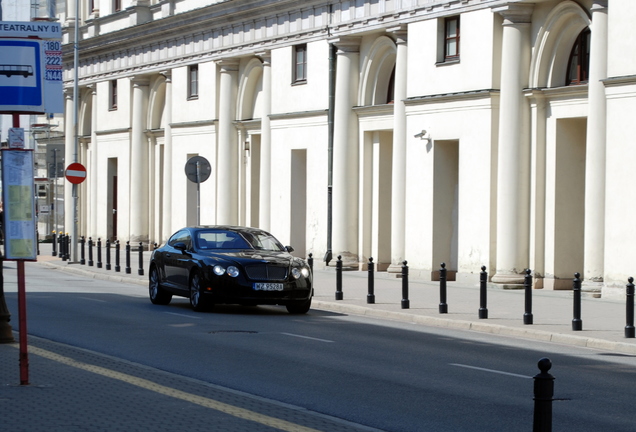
<point x="371" y="294"/>
<point x="90" y="252"/>
<point x="543" y="393"/>
<point x="577" y="323"/>
<point x="443" y="307"/>
<point x="527" y="285"/>
<point x="128" y="269"/>
<point x="310" y="262"/>
<point x="108" y="254"/>
<point x="99" y="252"/>
<point x="140" y="272"/>
<point x="54" y="243"/>
<point x="405" y="286"/>
<point x="82" y="251"/>
<point x="63" y="247"/>
<point x="339" y="295"/>
<point x="629" y="328"/>
<point x="483" y="294"/>
<point x="117" y="253"/>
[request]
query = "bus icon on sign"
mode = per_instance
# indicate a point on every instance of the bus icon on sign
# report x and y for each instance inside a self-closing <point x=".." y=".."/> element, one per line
<point x="10" y="70"/>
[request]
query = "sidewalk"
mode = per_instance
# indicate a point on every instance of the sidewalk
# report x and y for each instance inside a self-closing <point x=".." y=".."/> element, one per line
<point x="603" y="320"/>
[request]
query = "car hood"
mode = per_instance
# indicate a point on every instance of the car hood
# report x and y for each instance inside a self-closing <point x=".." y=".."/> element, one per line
<point x="246" y="256"/>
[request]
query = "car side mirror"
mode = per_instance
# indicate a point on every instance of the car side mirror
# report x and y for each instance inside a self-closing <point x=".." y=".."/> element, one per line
<point x="289" y="249"/>
<point x="180" y="246"/>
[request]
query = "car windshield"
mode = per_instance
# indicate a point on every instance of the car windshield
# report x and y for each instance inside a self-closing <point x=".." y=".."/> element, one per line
<point x="263" y="241"/>
<point x="218" y="239"/>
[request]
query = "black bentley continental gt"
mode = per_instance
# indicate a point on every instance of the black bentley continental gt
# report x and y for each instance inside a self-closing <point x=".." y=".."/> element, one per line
<point x="227" y="264"/>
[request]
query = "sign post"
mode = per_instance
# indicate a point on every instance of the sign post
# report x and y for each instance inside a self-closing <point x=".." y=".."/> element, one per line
<point x="30" y="83"/>
<point x="198" y="170"/>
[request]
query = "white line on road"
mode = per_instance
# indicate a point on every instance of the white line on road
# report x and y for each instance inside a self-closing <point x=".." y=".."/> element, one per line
<point x="307" y="337"/>
<point x="491" y="370"/>
<point x="183" y="315"/>
<point x="93" y="299"/>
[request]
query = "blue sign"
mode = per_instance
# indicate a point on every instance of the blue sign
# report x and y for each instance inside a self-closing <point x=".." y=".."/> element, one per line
<point x="20" y="76"/>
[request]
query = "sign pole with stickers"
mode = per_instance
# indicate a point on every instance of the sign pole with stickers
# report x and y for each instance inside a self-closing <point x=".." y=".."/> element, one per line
<point x="30" y="83"/>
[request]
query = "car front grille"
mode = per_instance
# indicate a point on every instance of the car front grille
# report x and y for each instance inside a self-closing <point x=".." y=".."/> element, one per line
<point x="266" y="272"/>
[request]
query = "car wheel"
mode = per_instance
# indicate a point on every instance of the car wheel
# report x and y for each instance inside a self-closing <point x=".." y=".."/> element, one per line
<point x="158" y="295"/>
<point x="299" y="308"/>
<point x="197" y="300"/>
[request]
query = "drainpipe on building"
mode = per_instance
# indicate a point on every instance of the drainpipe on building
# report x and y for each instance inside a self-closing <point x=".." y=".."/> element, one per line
<point x="332" y="102"/>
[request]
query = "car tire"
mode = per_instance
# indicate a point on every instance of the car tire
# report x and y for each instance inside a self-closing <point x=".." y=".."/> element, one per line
<point x="158" y="295"/>
<point x="197" y="300"/>
<point x="299" y="308"/>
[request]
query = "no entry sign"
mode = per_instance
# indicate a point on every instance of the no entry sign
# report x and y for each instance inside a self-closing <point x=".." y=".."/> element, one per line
<point x="75" y="173"/>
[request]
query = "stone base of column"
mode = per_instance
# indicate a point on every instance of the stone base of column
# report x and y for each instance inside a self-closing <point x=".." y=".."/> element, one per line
<point x="592" y="288"/>
<point x="395" y="269"/>
<point x="349" y="260"/>
<point x="509" y="280"/>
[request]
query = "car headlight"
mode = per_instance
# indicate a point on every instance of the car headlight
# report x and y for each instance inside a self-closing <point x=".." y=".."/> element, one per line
<point x="232" y="271"/>
<point x="305" y="272"/>
<point x="218" y="270"/>
<point x="295" y="273"/>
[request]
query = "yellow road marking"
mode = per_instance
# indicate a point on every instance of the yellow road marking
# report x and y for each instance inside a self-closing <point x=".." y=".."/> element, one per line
<point x="177" y="394"/>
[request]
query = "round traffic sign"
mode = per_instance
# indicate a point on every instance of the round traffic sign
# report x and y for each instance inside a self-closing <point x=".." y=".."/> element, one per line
<point x="198" y="169"/>
<point x="75" y="173"/>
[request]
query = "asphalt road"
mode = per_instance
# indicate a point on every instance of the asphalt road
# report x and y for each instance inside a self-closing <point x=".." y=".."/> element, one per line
<point x="387" y="375"/>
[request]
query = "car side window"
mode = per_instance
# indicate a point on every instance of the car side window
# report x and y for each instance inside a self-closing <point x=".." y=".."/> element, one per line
<point x="182" y="236"/>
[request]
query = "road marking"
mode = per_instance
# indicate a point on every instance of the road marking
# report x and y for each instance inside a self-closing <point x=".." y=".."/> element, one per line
<point x="307" y="337"/>
<point x="92" y="299"/>
<point x="491" y="370"/>
<point x="184" y="315"/>
<point x="238" y="412"/>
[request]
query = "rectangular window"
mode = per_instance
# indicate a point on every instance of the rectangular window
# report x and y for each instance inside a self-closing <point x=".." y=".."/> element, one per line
<point x="113" y="95"/>
<point x="300" y="63"/>
<point x="451" y="41"/>
<point x="193" y="82"/>
<point x="116" y="5"/>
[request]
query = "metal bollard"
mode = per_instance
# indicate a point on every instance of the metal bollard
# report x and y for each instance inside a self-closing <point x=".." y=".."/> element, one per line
<point x="339" y="295"/>
<point x="629" y="328"/>
<point x="483" y="293"/>
<point x="577" y="323"/>
<point x="371" y="289"/>
<point x="99" y="252"/>
<point x="310" y="262"/>
<point x="90" y="252"/>
<point x="140" y="272"/>
<point x="108" y="254"/>
<point x="128" y="269"/>
<point x="117" y="266"/>
<point x="64" y="247"/>
<point x="405" y="286"/>
<point x="54" y="243"/>
<point x="82" y="250"/>
<point x="527" y="285"/>
<point x="443" y="307"/>
<point x="543" y="393"/>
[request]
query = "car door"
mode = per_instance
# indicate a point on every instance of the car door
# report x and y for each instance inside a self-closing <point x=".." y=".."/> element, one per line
<point x="175" y="260"/>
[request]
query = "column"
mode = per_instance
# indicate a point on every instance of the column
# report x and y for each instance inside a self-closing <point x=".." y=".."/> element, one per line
<point x="166" y="214"/>
<point x="513" y="156"/>
<point x="594" y="252"/>
<point x="139" y="193"/>
<point x="93" y="178"/>
<point x="69" y="150"/>
<point x="265" y="191"/>
<point x="345" y="152"/>
<point x="227" y="153"/>
<point x="398" y="180"/>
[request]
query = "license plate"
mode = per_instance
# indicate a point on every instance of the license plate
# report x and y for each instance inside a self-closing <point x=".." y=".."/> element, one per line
<point x="258" y="286"/>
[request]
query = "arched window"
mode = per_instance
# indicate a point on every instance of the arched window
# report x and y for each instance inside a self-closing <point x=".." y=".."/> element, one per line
<point x="391" y="88"/>
<point x="579" y="65"/>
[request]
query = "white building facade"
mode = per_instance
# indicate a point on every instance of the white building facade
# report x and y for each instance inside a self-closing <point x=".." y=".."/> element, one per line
<point x="469" y="132"/>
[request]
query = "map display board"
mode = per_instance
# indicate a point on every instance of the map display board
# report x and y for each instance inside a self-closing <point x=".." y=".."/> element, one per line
<point x="18" y="192"/>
